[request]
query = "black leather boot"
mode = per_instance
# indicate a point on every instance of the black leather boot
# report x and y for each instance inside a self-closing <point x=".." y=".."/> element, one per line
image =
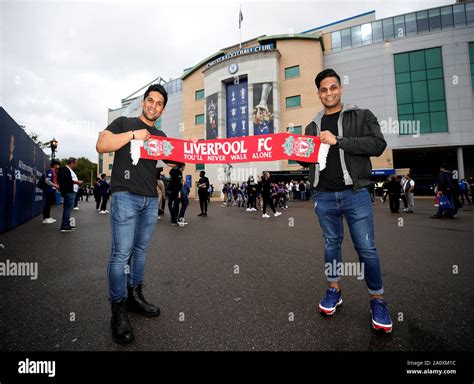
<point x="122" y="331"/>
<point x="137" y="303"/>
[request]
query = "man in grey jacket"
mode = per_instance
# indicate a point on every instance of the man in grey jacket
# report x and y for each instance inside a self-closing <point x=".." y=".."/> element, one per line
<point x="340" y="190"/>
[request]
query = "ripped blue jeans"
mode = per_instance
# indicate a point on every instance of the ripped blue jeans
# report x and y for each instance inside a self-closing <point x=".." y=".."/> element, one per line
<point x="356" y="207"/>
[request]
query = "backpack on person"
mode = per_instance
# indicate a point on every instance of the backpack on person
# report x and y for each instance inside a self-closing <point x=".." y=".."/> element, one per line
<point x="42" y="182"/>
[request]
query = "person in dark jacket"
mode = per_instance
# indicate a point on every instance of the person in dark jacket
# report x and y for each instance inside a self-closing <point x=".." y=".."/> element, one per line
<point x="97" y="196"/>
<point x="184" y="201"/>
<point x="68" y="186"/>
<point x="251" y="193"/>
<point x="104" y="193"/>
<point x="302" y="188"/>
<point x="394" y="191"/>
<point x="175" y="186"/>
<point x="445" y="188"/>
<point x="267" y="191"/>
<point x="340" y="190"/>
<point x="203" y="187"/>
<point x="52" y="186"/>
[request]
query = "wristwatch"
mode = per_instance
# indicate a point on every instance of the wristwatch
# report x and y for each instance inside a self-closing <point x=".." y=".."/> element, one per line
<point x="338" y="140"/>
<point x="133" y="135"/>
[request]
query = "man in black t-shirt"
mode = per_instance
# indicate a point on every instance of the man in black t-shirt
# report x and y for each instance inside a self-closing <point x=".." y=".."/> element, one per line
<point x="175" y="186"/>
<point x="134" y="211"/>
<point x="203" y="188"/>
<point x="340" y="190"/>
<point x="267" y="192"/>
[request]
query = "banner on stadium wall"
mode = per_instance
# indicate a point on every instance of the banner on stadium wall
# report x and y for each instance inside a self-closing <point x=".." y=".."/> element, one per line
<point x="22" y="162"/>
<point x="211" y="117"/>
<point x="279" y="146"/>
<point x="263" y="109"/>
<point x="237" y="109"/>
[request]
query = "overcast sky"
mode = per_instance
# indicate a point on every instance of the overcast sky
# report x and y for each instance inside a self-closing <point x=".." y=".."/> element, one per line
<point x="63" y="64"/>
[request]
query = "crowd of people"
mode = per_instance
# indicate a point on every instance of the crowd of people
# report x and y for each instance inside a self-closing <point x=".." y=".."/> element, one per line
<point x="398" y="188"/>
<point x="250" y="194"/>
<point x="450" y="194"/>
<point x="253" y="195"/>
<point x="64" y="180"/>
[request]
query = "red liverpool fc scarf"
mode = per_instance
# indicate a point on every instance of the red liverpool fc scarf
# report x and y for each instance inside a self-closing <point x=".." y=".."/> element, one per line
<point x="278" y="146"/>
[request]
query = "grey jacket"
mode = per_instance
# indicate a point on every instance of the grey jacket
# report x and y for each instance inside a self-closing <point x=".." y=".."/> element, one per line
<point x="361" y="139"/>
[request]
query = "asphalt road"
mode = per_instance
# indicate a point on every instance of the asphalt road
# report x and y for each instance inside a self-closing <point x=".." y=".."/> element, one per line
<point x="270" y="304"/>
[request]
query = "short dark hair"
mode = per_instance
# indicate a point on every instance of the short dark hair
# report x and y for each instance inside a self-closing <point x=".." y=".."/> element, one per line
<point x="71" y="160"/>
<point x="97" y="179"/>
<point x="103" y="176"/>
<point x="54" y="162"/>
<point x="157" y="88"/>
<point x="326" y="73"/>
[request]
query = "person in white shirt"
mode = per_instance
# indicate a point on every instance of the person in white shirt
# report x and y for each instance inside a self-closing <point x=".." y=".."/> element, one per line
<point x="408" y="185"/>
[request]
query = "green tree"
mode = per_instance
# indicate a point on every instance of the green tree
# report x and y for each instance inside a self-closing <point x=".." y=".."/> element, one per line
<point x="86" y="168"/>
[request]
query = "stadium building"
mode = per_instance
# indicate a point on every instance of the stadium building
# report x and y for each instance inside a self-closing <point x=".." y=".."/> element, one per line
<point x="414" y="71"/>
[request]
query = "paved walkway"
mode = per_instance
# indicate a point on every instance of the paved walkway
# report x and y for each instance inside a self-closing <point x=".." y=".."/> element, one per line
<point x="270" y="304"/>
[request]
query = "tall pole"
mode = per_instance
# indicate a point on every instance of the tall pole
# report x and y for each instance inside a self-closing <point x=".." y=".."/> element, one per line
<point x="53" y="145"/>
<point x="240" y="26"/>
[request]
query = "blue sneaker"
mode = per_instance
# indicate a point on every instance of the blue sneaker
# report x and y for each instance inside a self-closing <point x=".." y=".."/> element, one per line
<point x="330" y="302"/>
<point x="380" y="315"/>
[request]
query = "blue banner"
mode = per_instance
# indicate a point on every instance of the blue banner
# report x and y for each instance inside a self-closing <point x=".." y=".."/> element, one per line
<point x="22" y="162"/>
<point x="383" y="172"/>
<point x="237" y="109"/>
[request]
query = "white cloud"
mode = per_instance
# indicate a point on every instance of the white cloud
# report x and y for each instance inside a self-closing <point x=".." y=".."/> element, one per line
<point x="64" y="64"/>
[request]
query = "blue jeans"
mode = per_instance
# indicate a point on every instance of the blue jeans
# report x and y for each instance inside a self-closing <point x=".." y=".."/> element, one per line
<point x="184" y="205"/>
<point x="68" y="205"/>
<point x="133" y="219"/>
<point x="356" y="207"/>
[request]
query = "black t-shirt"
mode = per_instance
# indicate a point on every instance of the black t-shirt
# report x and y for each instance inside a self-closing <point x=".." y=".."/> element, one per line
<point x="203" y="180"/>
<point x="176" y="180"/>
<point x="331" y="178"/>
<point x="138" y="179"/>
<point x="394" y="187"/>
<point x="266" y="187"/>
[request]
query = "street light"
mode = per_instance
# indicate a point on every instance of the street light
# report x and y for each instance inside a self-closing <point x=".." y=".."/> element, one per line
<point x="54" y="145"/>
